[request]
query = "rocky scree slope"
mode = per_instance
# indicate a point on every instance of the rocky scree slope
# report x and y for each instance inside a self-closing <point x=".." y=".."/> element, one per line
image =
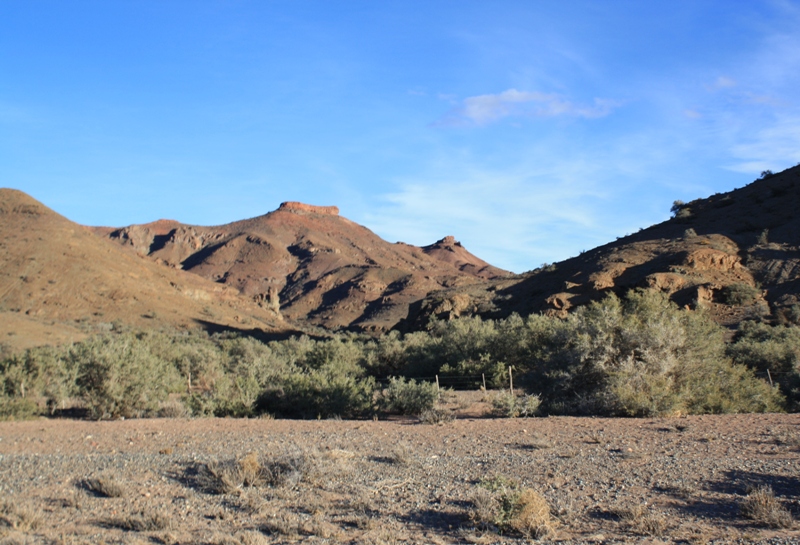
<point x="310" y="264"/>
<point x="735" y="254"/>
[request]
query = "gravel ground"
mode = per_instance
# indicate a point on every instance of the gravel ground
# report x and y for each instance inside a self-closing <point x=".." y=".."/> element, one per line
<point x="246" y="482"/>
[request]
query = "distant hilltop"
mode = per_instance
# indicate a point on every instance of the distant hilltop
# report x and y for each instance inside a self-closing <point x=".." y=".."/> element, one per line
<point x="293" y="206"/>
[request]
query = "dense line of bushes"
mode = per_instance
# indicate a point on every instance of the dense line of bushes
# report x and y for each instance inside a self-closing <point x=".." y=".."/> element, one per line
<point x="637" y="356"/>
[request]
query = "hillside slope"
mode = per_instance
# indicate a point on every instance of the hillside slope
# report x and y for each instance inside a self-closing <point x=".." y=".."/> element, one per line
<point x="310" y="264"/>
<point x="736" y="254"/>
<point x="58" y="282"/>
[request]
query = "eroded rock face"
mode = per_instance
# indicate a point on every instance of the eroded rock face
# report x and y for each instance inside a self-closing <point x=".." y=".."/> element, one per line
<point x="666" y="282"/>
<point x="710" y="259"/>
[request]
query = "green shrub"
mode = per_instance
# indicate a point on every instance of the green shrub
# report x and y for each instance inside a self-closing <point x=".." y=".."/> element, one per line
<point x="327" y="381"/>
<point x="16" y="408"/>
<point x="740" y="294"/>
<point x="408" y="397"/>
<point x="42" y="373"/>
<point x="642" y="356"/>
<point x="318" y="394"/>
<point x="118" y="376"/>
<point x="775" y="349"/>
<point x="508" y="405"/>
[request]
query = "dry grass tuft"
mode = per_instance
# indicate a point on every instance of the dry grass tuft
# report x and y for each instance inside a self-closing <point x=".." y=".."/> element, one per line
<point x="145" y="522"/>
<point x="787" y="437"/>
<point x="498" y="506"/>
<point x="531" y="516"/>
<point x="402" y="454"/>
<point x="436" y="416"/>
<point x="642" y="520"/>
<point x="251" y="470"/>
<point x="594" y="438"/>
<point x="762" y="507"/>
<point x="485" y="509"/>
<point x="19" y="517"/>
<point x="251" y="538"/>
<point x="107" y="487"/>
<point x="282" y="524"/>
<point x="539" y="442"/>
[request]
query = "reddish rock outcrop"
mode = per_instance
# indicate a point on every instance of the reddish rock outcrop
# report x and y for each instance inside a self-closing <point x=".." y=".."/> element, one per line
<point x="293" y="206"/>
<point x="309" y="264"/>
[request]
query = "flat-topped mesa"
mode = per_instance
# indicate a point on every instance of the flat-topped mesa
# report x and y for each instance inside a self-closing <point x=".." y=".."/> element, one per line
<point x="449" y="240"/>
<point x="293" y="206"/>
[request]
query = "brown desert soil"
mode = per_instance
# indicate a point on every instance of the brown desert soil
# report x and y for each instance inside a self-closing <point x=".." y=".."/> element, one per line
<point x="396" y="481"/>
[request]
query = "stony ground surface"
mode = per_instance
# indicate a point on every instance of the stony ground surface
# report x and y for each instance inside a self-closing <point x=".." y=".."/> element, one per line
<point x="225" y="481"/>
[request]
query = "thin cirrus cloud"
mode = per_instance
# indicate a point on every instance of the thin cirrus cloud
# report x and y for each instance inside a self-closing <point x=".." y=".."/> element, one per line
<point x="486" y="109"/>
<point x="775" y="145"/>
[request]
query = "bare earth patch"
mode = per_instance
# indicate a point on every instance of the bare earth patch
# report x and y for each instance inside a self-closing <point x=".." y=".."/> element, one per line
<point x="473" y="480"/>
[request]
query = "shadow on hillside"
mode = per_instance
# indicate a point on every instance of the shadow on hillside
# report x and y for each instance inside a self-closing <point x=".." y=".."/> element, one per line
<point x="258" y="334"/>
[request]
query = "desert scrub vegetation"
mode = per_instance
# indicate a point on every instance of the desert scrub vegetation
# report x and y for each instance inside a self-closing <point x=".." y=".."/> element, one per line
<point x="642" y="519"/>
<point x="634" y="356"/>
<point x="256" y="470"/>
<point x="403" y="396"/>
<point x="642" y="356"/>
<point x="740" y="294"/>
<point x="500" y="505"/>
<point x="763" y="508"/>
<point x="774" y="350"/>
<point x="509" y="405"/>
<point x="104" y="487"/>
<point x="19" y="517"/>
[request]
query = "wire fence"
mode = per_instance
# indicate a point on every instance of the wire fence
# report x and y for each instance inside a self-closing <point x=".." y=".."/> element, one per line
<point x="464" y="382"/>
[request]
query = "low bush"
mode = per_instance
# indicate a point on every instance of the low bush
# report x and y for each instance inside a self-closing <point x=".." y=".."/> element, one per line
<point x="642" y="356"/>
<point x="320" y="393"/>
<point x="508" y="405"/>
<point x="499" y="505"/>
<point x="118" y="376"/>
<point x="762" y="507"/>
<point x="12" y="408"/>
<point x="436" y="415"/>
<point x="644" y="520"/>
<point x="740" y="294"/>
<point x="105" y="487"/>
<point x="253" y="470"/>
<point x="20" y="517"/>
<point x="773" y="349"/>
<point x="408" y="396"/>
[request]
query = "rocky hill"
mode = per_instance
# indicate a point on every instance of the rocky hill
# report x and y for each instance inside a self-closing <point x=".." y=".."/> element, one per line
<point x="60" y="282"/>
<point x="310" y="264"/>
<point x="736" y="254"/>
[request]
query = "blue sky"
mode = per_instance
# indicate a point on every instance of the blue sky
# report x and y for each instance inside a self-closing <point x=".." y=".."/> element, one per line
<point x="528" y="130"/>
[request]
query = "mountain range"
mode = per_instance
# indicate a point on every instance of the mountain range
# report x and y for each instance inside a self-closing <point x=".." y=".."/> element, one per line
<point x="306" y="269"/>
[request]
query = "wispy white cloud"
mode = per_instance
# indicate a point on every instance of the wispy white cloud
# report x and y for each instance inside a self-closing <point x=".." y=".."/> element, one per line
<point x="485" y="109"/>
<point x="774" y="147"/>
<point x="722" y="82"/>
<point x="541" y="207"/>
